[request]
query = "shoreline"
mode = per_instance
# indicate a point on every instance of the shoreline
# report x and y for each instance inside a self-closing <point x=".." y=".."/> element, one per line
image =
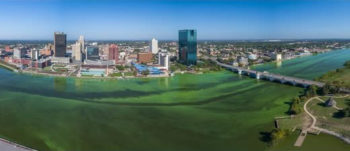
<point x="34" y="73"/>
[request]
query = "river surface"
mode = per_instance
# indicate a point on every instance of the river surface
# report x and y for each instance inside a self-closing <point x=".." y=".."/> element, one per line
<point x="213" y="111"/>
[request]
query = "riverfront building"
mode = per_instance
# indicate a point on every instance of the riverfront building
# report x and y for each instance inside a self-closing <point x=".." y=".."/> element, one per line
<point x="113" y="53"/>
<point x="188" y="47"/>
<point x="92" y="53"/>
<point x="60" y="44"/>
<point x="163" y="60"/>
<point x="35" y="54"/>
<point x="278" y="57"/>
<point x="19" y="53"/>
<point x="78" y="49"/>
<point x="144" y="57"/>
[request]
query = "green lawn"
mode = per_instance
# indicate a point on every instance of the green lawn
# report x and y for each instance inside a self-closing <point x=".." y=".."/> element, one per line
<point x="291" y="123"/>
<point x="339" y="77"/>
<point x="117" y="74"/>
<point x="327" y="117"/>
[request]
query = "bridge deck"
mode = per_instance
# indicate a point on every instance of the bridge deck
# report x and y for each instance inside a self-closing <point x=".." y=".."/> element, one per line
<point x="273" y="76"/>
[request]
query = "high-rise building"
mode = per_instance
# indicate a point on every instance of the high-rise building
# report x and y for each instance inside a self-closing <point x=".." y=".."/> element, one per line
<point x="113" y="53"/>
<point x="7" y="49"/>
<point x="163" y="60"/>
<point x="60" y="44"/>
<point x="19" y="53"/>
<point x="35" y="54"/>
<point x="154" y="46"/>
<point x="278" y="57"/>
<point x="78" y="49"/>
<point x="92" y="53"/>
<point x="188" y="47"/>
<point x="77" y="52"/>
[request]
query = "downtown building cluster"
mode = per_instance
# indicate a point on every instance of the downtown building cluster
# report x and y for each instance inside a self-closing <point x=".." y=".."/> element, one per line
<point x="88" y="58"/>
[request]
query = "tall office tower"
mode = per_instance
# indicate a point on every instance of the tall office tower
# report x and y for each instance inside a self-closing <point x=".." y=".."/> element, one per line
<point x="7" y="49"/>
<point x="60" y="44"/>
<point x="188" y="47"/>
<point x="154" y="46"/>
<point x="82" y="46"/>
<point x="78" y="49"/>
<point x="35" y="54"/>
<point x="113" y="53"/>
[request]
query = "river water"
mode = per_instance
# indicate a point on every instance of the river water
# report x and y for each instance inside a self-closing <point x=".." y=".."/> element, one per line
<point x="214" y="111"/>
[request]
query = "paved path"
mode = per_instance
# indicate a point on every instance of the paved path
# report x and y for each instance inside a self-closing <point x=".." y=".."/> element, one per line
<point x="6" y="145"/>
<point x="301" y="138"/>
<point x="335" y="106"/>
<point x="314" y="120"/>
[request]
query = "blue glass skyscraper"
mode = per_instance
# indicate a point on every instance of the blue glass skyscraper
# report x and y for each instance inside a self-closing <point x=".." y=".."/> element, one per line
<point x="188" y="47"/>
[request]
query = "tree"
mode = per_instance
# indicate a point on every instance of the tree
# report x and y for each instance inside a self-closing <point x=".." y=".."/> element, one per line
<point x="278" y="134"/>
<point x="145" y="72"/>
<point x="325" y="90"/>
<point x="172" y="68"/>
<point x="311" y="91"/>
<point x="120" y="68"/>
<point x="347" y="64"/>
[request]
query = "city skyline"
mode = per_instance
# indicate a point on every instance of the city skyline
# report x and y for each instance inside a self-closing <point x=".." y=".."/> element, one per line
<point x="143" y="20"/>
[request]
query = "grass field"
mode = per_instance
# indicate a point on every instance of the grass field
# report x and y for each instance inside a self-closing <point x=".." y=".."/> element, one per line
<point x="339" y="77"/>
<point x="327" y="117"/>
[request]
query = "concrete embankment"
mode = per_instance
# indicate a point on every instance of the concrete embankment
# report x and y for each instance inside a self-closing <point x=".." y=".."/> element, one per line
<point x="6" y="145"/>
<point x="8" y="67"/>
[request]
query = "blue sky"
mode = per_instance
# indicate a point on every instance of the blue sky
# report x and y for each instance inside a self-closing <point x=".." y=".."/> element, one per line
<point x="144" y="19"/>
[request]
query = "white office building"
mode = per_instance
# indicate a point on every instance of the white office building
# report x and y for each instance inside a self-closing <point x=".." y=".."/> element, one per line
<point x="278" y="57"/>
<point x="79" y="49"/>
<point x="154" y="46"/>
<point x="163" y="60"/>
<point x="35" y="54"/>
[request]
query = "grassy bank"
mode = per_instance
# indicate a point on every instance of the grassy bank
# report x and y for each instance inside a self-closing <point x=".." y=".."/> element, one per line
<point x="339" y="77"/>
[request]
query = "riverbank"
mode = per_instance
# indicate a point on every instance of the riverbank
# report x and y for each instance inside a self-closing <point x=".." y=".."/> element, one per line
<point x="8" y="67"/>
<point x="339" y="77"/>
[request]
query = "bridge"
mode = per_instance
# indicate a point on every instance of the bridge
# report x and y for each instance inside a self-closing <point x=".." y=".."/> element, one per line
<point x="271" y="76"/>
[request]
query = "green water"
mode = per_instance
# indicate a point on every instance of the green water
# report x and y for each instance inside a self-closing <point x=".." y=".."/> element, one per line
<point x="214" y="111"/>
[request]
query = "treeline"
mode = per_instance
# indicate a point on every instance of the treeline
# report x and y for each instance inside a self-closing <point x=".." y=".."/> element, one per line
<point x="207" y="64"/>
